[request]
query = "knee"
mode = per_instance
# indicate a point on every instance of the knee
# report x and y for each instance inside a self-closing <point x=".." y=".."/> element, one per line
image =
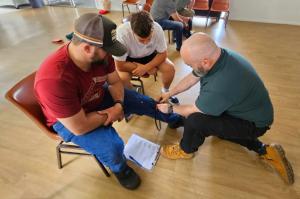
<point x="125" y="76"/>
<point x="178" y="25"/>
<point x="167" y="67"/>
<point x="196" y="120"/>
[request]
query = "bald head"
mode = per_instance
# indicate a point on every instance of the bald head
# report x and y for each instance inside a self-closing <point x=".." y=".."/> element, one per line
<point x="199" y="46"/>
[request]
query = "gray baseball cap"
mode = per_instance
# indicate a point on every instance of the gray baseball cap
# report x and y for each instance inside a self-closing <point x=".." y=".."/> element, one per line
<point x="99" y="31"/>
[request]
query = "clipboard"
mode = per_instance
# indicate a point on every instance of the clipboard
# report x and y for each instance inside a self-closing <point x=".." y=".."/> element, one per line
<point x="142" y="152"/>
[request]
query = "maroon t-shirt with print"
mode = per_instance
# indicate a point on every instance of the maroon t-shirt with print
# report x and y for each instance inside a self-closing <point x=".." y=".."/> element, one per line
<point x="62" y="88"/>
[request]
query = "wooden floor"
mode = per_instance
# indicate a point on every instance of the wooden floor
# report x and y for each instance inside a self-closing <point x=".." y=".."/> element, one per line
<point x="220" y="169"/>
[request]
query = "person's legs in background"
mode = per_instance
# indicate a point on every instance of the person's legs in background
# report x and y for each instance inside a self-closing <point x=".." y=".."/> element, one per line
<point x="187" y="30"/>
<point x="176" y="27"/>
<point x="167" y="70"/>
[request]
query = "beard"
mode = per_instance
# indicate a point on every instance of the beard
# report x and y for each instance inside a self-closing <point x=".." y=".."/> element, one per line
<point x="200" y="72"/>
<point x="96" y="60"/>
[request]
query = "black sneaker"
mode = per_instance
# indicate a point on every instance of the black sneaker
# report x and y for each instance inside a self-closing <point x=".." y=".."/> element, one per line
<point x="173" y="100"/>
<point x="128" y="178"/>
<point x="176" y="124"/>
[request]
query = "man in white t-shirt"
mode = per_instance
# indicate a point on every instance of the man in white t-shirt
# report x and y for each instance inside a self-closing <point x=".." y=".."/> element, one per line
<point x="146" y="51"/>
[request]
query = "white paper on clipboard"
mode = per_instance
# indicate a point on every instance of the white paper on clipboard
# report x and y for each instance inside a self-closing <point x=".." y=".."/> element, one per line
<point x="141" y="151"/>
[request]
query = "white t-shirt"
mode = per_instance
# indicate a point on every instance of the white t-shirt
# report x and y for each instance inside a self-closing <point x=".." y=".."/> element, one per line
<point x="136" y="49"/>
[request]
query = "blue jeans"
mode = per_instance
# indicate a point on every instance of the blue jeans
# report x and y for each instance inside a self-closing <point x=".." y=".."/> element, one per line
<point x="177" y="28"/>
<point x="104" y="141"/>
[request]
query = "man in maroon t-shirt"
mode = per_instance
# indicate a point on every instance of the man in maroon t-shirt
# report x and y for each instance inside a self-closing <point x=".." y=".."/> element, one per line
<point x="81" y="95"/>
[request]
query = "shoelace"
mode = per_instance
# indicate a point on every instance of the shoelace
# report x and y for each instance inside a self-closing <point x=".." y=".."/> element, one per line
<point x="175" y="150"/>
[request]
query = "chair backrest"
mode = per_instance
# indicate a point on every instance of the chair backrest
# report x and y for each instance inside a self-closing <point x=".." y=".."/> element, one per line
<point x="201" y="5"/>
<point x="147" y="7"/>
<point x="149" y="2"/>
<point x="131" y="1"/>
<point x="22" y="96"/>
<point x="220" y="5"/>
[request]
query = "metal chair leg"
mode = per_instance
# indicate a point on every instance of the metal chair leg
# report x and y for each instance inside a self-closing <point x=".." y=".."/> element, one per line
<point x="128" y="8"/>
<point x="226" y="19"/>
<point x="66" y="146"/>
<point x="207" y="19"/>
<point x="58" y="155"/>
<point x="73" y="3"/>
<point x="102" y="167"/>
<point x="123" y="9"/>
<point x="141" y="83"/>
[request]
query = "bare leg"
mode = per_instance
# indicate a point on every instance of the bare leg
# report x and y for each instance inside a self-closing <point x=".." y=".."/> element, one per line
<point x="167" y="73"/>
<point x="126" y="77"/>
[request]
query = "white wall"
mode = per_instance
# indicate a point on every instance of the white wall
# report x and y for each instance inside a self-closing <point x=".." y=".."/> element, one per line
<point x="13" y="2"/>
<point x="270" y="11"/>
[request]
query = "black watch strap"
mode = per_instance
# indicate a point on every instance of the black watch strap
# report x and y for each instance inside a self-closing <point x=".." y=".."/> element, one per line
<point x="120" y="102"/>
<point x="170" y="108"/>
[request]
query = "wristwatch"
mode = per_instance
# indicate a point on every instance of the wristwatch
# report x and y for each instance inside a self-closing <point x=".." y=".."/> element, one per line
<point x="170" y="108"/>
<point x="120" y="102"/>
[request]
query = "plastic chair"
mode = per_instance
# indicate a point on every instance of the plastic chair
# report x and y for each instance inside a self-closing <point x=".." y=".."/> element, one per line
<point x="220" y="6"/>
<point x="130" y="2"/>
<point x="22" y="96"/>
<point x="202" y="5"/>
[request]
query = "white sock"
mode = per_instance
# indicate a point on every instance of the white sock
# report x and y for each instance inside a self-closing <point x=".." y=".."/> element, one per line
<point x="164" y="90"/>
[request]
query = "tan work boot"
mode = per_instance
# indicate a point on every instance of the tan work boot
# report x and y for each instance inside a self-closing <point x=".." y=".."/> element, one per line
<point x="275" y="157"/>
<point x="174" y="152"/>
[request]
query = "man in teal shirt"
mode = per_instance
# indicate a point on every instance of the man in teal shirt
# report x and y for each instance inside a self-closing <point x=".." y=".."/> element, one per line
<point x="233" y="104"/>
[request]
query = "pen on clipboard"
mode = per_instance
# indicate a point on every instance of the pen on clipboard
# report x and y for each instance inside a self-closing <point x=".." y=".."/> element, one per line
<point x="156" y="158"/>
<point x="135" y="161"/>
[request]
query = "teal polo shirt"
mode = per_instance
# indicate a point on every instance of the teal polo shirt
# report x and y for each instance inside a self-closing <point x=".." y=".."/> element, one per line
<point x="233" y="87"/>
